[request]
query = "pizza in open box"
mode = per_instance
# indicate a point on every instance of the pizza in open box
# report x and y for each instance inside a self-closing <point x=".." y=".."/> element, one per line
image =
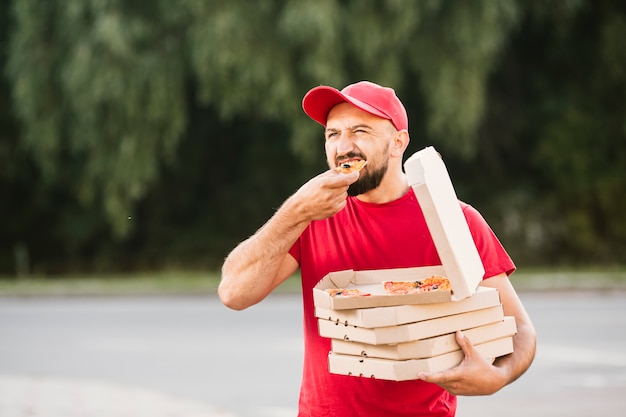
<point x="409" y="287"/>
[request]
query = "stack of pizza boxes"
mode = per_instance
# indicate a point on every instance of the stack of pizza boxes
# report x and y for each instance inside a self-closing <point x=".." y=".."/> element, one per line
<point x="395" y="337"/>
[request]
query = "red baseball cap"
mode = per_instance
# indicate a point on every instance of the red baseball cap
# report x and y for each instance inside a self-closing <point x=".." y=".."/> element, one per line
<point x="367" y="96"/>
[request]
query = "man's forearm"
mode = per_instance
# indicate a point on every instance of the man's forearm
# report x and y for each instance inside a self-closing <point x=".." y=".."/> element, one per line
<point x="253" y="269"/>
<point x="258" y="265"/>
<point x="515" y="364"/>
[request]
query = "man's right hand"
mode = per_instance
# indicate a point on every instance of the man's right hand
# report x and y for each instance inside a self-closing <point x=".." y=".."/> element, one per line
<point x="324" y="195"/>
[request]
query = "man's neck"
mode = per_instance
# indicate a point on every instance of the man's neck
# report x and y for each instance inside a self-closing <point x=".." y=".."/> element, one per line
<point x="391" y="188"/>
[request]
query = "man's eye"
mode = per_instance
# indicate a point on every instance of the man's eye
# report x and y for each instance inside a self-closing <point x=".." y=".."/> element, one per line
<point x="331" y="135"/>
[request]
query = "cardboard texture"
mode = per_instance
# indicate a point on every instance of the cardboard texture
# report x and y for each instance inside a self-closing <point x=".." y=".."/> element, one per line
<point x="395" y="315"/>
<point x="427" y="348"/>
<point x="371" y="282"/>
<point x="429" y="178"/>
<point x="409" y="369"/>
<point x="412" y="331"/>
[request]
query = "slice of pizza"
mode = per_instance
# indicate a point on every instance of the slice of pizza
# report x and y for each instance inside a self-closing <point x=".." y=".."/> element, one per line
<point x="435" y="283"/>
<point x="342" y="292"/>
<point x="400" y="287"/>
<point x="409" y="287"/>
<point x="351" y="166"/>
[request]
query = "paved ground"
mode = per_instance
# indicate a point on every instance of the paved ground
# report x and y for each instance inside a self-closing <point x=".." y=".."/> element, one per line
<point x="40" y="396"/>
<point x="580" y="367"/>
<point x="191" y="357"/>
<point x="180" y="349"/>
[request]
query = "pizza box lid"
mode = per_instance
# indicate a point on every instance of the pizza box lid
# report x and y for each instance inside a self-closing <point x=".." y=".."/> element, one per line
<point x="370" y="281"/>
<point x="412" y="331"/>
<point x="426" y="348"/>
<point x="410" y="369"/>
<point x="428" y="176"/>
<point x="410" y="313"/>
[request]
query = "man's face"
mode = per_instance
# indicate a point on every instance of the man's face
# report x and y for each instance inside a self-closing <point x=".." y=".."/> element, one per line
<point x="353" y="134"/>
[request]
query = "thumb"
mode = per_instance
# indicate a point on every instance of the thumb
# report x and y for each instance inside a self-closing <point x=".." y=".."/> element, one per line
<point x="466" y="345"/>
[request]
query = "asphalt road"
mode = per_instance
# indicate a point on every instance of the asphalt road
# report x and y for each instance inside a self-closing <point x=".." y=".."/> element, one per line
<point x="194" y="357"/>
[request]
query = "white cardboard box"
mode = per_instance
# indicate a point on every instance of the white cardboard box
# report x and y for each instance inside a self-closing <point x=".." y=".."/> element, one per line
<point x="426" y="348"/>
<point x="409" y="369"/>
<point x="370" y="281"/>
<point x="428" y="176"/>
<point x="412" y="331"/>
<point x="394" y="315"/>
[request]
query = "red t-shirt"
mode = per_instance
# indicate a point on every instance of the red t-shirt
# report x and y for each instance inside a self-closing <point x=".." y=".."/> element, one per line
<point x="374" y="236"/>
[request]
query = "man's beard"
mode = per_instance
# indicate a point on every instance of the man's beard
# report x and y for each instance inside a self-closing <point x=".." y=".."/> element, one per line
<point x="368" y="180"/>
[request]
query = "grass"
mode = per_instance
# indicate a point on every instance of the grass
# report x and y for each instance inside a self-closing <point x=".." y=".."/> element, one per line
<point x="170" y="282"/>
<point x="589" y="279"/>
<point x="205" y="283"/>
<point x="157" y="283"/>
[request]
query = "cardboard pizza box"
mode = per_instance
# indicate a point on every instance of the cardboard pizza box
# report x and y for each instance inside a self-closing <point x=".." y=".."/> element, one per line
<point x="395" y="315"/>
<point x="411" y="331"/>
<point x="460" y="261"/>
<point x="428" y="176"/>
<point x="409" y="369"/>
<point x="370" y="282"/>
<point x="426" y="348"/>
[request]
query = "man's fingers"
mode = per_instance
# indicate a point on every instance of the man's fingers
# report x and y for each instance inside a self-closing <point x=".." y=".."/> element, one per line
<point x="338" y="180"/>
<point x="465" y="344"/>
<point x="444" y="378"/>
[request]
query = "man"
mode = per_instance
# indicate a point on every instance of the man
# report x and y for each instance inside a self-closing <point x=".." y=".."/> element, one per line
<point x="368" y="220"/>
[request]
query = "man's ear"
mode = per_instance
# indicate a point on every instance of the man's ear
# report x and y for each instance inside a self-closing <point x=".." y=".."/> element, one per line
<point x="400" y="143"/>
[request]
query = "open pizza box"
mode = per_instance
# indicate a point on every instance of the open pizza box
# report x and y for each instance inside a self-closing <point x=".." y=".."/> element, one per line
<point x="370" y="282"/>
<point x="368" y="318"/>
<point x="460" y="261"/>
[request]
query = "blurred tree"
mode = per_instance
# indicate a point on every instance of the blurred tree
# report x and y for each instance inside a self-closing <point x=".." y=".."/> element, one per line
<point x="157" y="127"/>
<point x="114" y="97"/>
<point x="582" y="152"/>
<point x="553" y="142"/>
<point x="98" y="85"/>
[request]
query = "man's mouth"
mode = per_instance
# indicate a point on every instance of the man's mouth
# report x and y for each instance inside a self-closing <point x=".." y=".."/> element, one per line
<point x="351" y="165"/>
<point x="349" y="159"/>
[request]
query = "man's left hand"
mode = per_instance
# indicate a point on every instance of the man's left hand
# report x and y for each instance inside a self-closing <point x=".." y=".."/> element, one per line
<point x="473" y="376"/>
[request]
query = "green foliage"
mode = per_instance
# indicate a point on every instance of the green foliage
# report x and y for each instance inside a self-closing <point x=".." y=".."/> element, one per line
<point x="561" y="138"/>
<point x="159" y="133"/>
<point x="114" y="97"/>
<point x="454" y="54"/>
<point x="111" y="100"/>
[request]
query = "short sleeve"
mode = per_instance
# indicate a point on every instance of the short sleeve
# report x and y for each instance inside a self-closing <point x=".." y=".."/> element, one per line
<point x="295" y="250"/>
<point x="493" y="255"/>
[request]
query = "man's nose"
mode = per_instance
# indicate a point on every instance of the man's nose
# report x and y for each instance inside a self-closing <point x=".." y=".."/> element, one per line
<point x="345" y="144"/>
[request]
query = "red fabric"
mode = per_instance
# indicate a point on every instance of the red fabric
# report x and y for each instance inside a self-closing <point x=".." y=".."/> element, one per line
<point x="370" y="236"/>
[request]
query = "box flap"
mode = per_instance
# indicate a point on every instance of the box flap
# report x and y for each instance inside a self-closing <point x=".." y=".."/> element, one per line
<point x="433" y="188"/>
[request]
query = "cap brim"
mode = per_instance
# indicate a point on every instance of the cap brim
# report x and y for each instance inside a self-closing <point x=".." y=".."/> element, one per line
<point x="318" y="102"/>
